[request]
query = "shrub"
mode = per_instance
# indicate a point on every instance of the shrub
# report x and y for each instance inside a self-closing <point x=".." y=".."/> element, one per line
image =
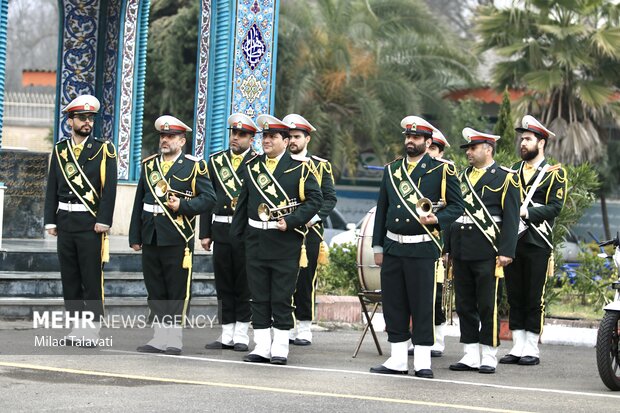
<point x="339" y="277"/>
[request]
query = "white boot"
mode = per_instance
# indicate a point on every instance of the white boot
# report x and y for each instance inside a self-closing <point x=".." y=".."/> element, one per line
<point x="422" y="361"/>
<point x="410" y="349"/>
<point x="304" y="333"/>
<point x="489" y="356"/>
<point x="398" y="357"/>
<point x="439" y="346"/>
<point x="175" y="339"/>
<point x="472" y="355"/>
<point x="227" y="334"/>
<point x="518" y="343"/>
<point x="279" y="347"/>
<point x="292" y="334"/>
<point x="240" y="335"/>
<point x="531" y="345"/>
<point x="160" y="337"/>
<point x="262" y="341"/>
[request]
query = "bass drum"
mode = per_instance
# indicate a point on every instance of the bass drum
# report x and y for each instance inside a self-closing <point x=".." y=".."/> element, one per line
<point x="369" y="273"/>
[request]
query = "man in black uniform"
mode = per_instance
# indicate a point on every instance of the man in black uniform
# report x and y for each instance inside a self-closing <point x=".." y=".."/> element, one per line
<point x="543" y="190"/>
<point x="481" y="243"/>
<point x="231" y="281"/>
<point x="316" y="247"/>
<point x="79" y="205"/>
<point x="279" y="196"/>
<point x="173" y="189"/>
<point x="407" y="245"/>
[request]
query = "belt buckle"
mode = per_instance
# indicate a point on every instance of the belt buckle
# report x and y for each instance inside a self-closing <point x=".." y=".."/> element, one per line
<point x="69" y="206"/>
<point x="265" y="225"/>
<point x="400" y="239"/>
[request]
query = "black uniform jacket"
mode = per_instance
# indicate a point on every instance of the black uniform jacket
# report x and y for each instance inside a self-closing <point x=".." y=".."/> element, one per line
<point x="273" y="244"/>
<point x="328" y="190"/>
<point x="549" y="196"/>
<point x="58" y="190"/>
<point x="219" y="231"/>
<point x="393" y="216"/>
<point x="499" y="191"/>
<point x="186" y="174"/>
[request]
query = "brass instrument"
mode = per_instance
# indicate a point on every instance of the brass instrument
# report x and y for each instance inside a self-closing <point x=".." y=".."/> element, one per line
<point x="162" y="188"/>
<point x="447" y="298"/>
<point x="424" y="207"/>
<point x="273" y="214"/>
<point x="233" y="203"/>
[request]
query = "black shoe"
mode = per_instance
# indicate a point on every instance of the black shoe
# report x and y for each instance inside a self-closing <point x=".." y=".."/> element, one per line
<point x="217" y="345"/>
<point x="173" y="351"/>
<point x="461" y="367"/>
<point x="529" y="361"/>
<point x="509" y="359"/>
<point x="255" y="358"/>
<point x="149" y="349"/>
<point x="240" y="347"/>
<point x="301" y="342"/>
<point x="424" y="373"/>
<point x="410" y="351"/>
<point x="486" y="370"/>
<point x="436" y="353"/>
<point x="291" y="341"/>
<point x="381" y="369"/>
<point x="278" y="360"/>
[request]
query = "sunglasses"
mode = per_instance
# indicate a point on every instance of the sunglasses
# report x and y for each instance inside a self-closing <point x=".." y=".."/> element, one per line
<point x="84" y="117"/>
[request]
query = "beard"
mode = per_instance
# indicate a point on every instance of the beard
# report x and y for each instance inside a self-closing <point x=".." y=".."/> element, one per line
<point x="414" y="150"/>
<point x="528" y="155"/>
<point x="82" y="132"/>
<point x="295" y="149"/>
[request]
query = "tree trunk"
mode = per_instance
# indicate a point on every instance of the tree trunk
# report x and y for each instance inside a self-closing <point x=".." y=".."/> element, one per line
<point x="605" y="216"/>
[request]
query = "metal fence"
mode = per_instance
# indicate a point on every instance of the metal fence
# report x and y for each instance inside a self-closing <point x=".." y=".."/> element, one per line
<point x="29" y="109"/>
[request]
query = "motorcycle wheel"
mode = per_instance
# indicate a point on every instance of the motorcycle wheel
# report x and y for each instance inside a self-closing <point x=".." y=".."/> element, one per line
<point x="607" y="350"/>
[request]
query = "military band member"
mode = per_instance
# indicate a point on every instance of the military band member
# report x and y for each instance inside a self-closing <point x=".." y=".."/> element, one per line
<point x="480" y="244"/>
<point x="543" y="192"/>
<point x="278" y="197"/>
<point x="173" y="189"/>
<point x="407" y="245"/>
<point x="300" y="130"/>
<point x="79" y="205"/>
<point x="231" y="280"/>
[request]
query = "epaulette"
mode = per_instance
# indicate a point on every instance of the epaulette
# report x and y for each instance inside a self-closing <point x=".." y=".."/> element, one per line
<point x="148" y="158"/>
<point x="554" y="167"/>
<point x="391" y="162"/>
<point x="101" y="140"/>
<point x="319" y="159"/>
<point x="192" y="157"/>
<point x="62" y="140"/>
<point x="251" y="159"/>
<point x="299" y="158"/>
<point x="444" y="160"/>
<point x="510" y="171"/>
<point x="217" y="153"/>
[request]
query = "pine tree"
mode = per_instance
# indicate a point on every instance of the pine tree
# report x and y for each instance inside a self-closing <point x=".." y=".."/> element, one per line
<point x="505" y="126"/>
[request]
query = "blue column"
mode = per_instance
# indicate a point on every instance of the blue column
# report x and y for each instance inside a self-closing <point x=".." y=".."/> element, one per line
<point x="4" y="15"/>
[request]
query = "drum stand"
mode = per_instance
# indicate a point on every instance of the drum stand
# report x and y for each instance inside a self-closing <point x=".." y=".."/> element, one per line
<point x="372" y="298"/>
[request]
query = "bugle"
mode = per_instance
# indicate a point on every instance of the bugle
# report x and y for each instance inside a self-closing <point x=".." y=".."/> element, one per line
<point x="162" y="188"/>
<point x="447" y="298"/>
<point x="424" y="207"/>
<point x="265" y="213"/>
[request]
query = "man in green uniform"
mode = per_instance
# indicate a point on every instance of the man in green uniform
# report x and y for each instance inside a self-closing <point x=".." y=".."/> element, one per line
<point x="79" y="205"/>
<point x="173" y="189"/>
<point x="279" y="196"/>
<point x="481" y="243"/>
<point x="543" y="191"/>
<point x="231" y="281"/>
<point x="407" y="245"/>
<point x="300" y="130"/>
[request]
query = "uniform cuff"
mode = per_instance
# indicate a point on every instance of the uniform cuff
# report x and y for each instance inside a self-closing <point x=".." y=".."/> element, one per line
<point x="103" y="225"/>
<point x="377" y="249"/>
<point x="50" y="226"/>
<point x="315" y="219"/>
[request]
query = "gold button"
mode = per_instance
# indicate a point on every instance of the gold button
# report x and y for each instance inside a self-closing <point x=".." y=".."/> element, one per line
<point x="397" y="206"/>
<point x="407" y="220"/>
<point x="396" y="220"/>
<point x="462" y="227"/>
<point x="225" y="207"/>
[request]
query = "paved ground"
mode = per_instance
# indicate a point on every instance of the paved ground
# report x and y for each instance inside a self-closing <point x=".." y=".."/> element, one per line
<point x="322" y="377"/>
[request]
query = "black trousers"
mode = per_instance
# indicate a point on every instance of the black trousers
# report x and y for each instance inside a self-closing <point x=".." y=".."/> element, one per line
<point x="440" y="316"/>
<point x="168" y="284"/>
<point x="272" y="285"/>
<point x="476" y="289"/>
<point x="408" y="288"/>
<point x="525" y="285"/>
<point x="306" y="285"/>
<point x="231" y="282"/>
<point x="81" y="271"/>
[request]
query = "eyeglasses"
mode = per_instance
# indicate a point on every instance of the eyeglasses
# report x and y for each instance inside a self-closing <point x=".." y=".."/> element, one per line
<point x="84" y="117"/>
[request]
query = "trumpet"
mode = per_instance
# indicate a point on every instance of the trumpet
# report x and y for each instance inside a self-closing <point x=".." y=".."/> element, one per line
<point x="424" y="207"/>
<point x="272" y="214"/>
<point x="162" y="188"/>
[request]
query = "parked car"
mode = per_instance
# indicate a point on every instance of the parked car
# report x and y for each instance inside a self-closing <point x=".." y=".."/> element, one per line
<point x="335" y="224"/>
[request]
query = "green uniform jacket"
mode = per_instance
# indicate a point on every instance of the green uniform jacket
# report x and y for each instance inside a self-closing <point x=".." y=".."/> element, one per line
<point x="550" y="196"/>
<point x="273" y="244"/>
<point x="499" y="192"/>
<point x="59" y="191"/>
<point x="219" y="231"/>
<point x="186" y="174"/>
<point x="392" y="215"/>
<point x="328" y="190"/>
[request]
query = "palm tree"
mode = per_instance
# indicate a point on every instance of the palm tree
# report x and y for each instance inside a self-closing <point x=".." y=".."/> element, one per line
<point x="355" y="68"/>
<point x="566" y="55"/>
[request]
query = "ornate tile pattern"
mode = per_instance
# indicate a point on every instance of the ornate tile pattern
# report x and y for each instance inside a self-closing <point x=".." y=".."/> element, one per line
<point x="202" y="81"/>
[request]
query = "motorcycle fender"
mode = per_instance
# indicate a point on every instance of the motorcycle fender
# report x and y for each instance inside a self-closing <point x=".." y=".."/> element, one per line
<point x="614" y="306"/>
